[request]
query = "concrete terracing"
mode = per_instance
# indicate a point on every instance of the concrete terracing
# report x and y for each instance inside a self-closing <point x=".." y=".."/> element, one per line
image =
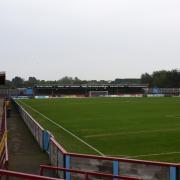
<point x="25" y="154"/>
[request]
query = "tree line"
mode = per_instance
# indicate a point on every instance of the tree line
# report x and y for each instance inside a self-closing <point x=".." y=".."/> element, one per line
<point x="18" y="82"/>
<point x="161" y="79"/>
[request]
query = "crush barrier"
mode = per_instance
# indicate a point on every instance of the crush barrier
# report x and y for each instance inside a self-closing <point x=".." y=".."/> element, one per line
<point x="147" y="170"/>
<point x="6" y="174"/>
<point x="85" y="174"/>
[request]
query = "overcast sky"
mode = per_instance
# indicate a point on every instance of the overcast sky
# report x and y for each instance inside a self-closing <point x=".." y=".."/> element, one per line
<point x="90" y="39"/>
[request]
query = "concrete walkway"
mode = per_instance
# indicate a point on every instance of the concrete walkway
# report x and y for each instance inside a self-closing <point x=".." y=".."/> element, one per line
<point x="25" y="154"/>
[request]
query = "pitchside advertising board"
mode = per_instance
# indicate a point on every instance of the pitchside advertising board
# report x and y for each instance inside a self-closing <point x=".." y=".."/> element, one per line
<point x="2" y="78"/>
<point x="155" y="90"/>
<point x="29" y="91"/>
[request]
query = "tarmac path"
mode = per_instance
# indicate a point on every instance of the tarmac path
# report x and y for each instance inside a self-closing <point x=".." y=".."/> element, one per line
<point x="24" y="152"/>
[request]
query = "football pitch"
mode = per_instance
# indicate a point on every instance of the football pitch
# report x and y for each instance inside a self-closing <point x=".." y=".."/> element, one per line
<point x="138" y="128"/>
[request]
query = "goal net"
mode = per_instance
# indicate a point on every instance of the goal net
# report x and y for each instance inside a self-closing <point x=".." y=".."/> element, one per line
<point x="98" y="93"/>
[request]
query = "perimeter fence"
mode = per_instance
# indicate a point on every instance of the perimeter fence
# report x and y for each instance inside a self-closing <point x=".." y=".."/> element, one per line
<point x="59" y="157"/>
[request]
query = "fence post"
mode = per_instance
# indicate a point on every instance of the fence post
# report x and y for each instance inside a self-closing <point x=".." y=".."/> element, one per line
<point x="46" y="141"/>
<point x="115" y="168"/>
<point x="173" y="173"/>
<point x="67" y="166"/>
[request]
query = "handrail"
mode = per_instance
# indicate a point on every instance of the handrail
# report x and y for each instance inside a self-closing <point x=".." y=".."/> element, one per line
<point x="24" y="175"/>
<point x="87" y="173"/>
<point x="155" y="163"/>
<point x="58" y="145"/>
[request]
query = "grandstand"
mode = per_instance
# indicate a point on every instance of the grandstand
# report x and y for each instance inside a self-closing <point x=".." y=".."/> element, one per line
<point x="83" y="90"/>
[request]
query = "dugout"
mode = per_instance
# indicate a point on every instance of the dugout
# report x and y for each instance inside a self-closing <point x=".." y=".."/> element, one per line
<point x="83" y="90"/>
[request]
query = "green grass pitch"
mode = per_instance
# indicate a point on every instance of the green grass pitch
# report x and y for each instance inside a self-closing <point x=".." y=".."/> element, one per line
<point x="140" y="128"/>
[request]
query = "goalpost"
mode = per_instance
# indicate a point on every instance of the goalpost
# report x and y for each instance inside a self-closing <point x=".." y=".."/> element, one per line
<point x="98" y="93"/>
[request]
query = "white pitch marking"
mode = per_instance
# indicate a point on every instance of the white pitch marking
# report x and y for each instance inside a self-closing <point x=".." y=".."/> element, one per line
<point x="144" y="155"/>
<point x="135" y="132"/>
<point x="69" y="132"/>
<point x="172" y="116"/>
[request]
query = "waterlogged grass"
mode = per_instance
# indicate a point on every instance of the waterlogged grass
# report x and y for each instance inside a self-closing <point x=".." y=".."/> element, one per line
<point x="142" y="128"/>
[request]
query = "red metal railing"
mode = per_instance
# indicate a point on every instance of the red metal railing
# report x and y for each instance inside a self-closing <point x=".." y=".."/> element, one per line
<point x="85" y="158"/>
<point x="89" y="156"/>
<point x="86" y="174"/>
<point x="26" y="176"/>
<point x="156" y="163"/>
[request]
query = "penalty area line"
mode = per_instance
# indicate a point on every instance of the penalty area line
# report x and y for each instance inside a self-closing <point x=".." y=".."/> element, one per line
<point x="145" y="155"/>
<point x="158" y="154"/>
<point x="69" y="132"/>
